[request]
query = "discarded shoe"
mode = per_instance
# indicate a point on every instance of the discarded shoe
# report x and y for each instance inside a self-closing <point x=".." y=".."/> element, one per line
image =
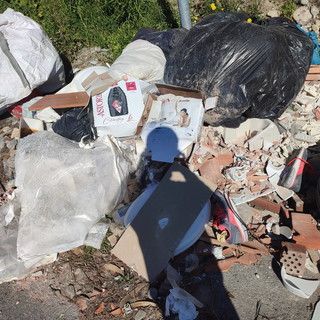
<point x="291" y="176"/>
<point x="227" y="219"/>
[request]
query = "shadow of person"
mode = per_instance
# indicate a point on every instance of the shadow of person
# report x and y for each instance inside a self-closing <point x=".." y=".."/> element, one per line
<point x="162" y="144"/>
<point x="164" y="219"/>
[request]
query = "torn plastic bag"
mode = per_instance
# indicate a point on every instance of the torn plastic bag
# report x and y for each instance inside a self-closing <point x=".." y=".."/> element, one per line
<point x="166" y="39"/>
<point x="28" y="59"/>
<point x="64" y="191"/>
<point x="140" y="59"/>
<point x="74" y="125"/>
<point x="255" y="70"/>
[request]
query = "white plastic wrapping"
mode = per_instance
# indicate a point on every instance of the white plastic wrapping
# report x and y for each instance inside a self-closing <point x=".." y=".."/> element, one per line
<point x="140" y="59"/>
<point x="64" y="191"/>
<point x="10" y="267"/>
<point x="28" y="59"/>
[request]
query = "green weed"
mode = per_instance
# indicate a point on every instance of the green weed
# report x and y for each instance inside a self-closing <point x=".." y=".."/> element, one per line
<point x="288" y="9"/>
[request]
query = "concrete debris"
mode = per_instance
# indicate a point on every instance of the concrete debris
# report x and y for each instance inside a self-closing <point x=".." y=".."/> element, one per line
<point x="302" y="15"/>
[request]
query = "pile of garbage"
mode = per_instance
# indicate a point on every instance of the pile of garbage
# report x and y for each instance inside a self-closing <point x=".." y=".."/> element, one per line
<point x="219" y="136"/>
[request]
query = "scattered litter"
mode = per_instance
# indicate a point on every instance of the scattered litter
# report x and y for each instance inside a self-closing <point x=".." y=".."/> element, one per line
<point x="119" y="151"/>
<point x="180" y="301"/>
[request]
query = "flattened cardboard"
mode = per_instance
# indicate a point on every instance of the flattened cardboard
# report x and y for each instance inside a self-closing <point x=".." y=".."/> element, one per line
<point x="154" y="234"/>
<point x="180" y="91"/>
<point x="62" y="100"/>
<point x="96" y="84"/>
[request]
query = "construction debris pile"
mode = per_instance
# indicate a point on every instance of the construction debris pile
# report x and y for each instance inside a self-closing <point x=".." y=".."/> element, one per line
<point x="119" y="145"/>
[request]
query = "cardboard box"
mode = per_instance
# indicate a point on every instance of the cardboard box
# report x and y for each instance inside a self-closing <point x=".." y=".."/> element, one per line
<point x="118" y="110"/>
<point x="164" y="133"/>
<point x="28" y="126"/>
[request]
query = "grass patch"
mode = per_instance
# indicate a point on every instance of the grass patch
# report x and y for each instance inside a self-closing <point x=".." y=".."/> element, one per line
<point x="75" y="24"/>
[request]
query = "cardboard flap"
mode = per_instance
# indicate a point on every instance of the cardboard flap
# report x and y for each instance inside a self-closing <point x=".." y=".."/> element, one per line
<point x="160" y="225"/>
<point x="180" y="91"/>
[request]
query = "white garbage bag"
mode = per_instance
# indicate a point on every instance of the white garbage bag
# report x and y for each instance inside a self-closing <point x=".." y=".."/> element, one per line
<point x="64" y="191"/>
<point x="28" y="59"/>
<point x="140" y="59"/>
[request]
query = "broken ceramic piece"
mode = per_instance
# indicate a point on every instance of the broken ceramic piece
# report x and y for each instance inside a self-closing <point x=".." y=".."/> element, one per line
<point x="303" y="288"/>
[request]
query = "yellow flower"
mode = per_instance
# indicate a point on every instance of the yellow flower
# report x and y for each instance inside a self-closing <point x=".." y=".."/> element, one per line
<point x="213" y="6"/>
<point x="196" y="18"/>
<point x="249" y="20"/>
<point x="222" y="9"/>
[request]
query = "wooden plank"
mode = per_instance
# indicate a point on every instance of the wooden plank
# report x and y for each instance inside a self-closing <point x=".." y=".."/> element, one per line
<point x="63" y="100"/>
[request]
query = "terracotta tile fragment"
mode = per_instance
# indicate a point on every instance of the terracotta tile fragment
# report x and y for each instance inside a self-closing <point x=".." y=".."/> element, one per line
<point x="116" y="311"/>
<point x="211" y="171"/>
<point x="100" y="308"/>
<point x="266" y="204"/>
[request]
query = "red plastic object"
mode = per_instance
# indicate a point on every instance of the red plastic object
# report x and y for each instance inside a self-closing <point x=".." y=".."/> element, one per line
<point x="16" y="109"/>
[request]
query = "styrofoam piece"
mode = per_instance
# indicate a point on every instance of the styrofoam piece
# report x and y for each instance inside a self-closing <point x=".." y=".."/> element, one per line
<point x="29" y="125"/>
<point x="303" y="288"/>
<point x="75" y="84"/>
<point x="193" y="233"/>
<point x="266" y="134"/>
<point x="48" y="115"/>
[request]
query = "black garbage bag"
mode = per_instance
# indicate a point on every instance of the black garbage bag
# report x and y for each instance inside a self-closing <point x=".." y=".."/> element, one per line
<point x="254" y="70"/>
<point x="166" y="40"/>
<point x="74" y="125"/>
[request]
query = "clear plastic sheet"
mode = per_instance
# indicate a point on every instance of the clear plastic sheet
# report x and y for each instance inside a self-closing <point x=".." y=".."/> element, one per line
<point x="64" y="191"/>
